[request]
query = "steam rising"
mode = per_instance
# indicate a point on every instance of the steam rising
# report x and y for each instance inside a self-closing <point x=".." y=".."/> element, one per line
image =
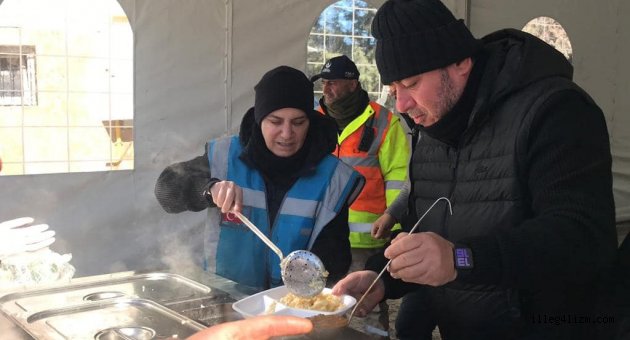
<point x="182" y="249"/>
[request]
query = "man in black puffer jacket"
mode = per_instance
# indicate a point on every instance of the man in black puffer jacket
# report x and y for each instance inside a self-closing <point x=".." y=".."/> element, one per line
<point x="523" y="155"/>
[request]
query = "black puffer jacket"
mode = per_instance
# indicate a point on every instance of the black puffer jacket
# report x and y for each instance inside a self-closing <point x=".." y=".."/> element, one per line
<point x="530" y="183"/>
<point x="180" y="188"/>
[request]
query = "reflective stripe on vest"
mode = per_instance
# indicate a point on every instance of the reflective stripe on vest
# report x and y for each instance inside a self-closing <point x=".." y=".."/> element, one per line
<point x="360" y="227"/>
<point x="394" y="185"/>
<point x="309" y="205"/>
<point x="291" y="205"/>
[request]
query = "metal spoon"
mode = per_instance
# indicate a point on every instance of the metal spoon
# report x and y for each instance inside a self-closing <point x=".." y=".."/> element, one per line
<point x="303" y="273"/>
<point x="388" y="262"/>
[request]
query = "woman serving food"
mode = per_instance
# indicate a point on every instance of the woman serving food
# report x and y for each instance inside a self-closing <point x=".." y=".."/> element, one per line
<point x="280" y="174"/>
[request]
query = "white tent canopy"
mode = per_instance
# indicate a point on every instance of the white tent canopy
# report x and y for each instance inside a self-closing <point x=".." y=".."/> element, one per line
<point x="195" y="64"/>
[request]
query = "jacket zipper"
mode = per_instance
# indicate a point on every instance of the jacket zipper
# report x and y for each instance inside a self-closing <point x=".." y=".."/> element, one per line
<point x="445" y="228"/>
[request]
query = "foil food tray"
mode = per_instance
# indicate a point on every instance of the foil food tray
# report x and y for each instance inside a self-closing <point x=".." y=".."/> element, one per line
<point x="208" y="311"/>
<point x="113" y="319"/>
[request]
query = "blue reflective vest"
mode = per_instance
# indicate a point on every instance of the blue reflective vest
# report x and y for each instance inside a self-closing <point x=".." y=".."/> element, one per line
<point x="310" y="204"/>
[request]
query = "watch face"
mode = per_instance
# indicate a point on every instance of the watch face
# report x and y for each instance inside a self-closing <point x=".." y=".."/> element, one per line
<point x="463" y="258"/>
<point x="207" y="195"/>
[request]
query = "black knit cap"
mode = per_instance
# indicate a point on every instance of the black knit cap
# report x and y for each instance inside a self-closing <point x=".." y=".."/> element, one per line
<point x="417" y="36"/>
<point x="280" y="88"/>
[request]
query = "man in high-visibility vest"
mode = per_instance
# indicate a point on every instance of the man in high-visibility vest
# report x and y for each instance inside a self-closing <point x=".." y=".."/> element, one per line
<point x="373" y="141"/>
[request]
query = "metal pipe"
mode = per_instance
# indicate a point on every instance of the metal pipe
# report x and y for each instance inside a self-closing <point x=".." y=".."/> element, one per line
<point x="467" y="6"/>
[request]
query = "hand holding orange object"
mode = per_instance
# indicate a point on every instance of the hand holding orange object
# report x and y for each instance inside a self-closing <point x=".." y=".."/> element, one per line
<point x="257" y="328"/>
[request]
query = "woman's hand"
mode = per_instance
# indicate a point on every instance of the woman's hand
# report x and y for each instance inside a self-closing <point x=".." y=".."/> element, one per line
<point x="227" y="196"/>
<point x="257" y="328"/>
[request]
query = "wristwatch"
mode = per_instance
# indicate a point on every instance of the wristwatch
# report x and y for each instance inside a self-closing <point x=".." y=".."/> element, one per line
<point x="207" y="195"/>
<point x="463" y="258"/>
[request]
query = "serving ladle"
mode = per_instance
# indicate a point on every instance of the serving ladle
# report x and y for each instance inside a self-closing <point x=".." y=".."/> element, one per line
<point x="303" y="273"/>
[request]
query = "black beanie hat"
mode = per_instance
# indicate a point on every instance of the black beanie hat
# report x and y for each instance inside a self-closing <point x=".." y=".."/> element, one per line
<point x="417" y="36"/>
<point x="280" y="88"/>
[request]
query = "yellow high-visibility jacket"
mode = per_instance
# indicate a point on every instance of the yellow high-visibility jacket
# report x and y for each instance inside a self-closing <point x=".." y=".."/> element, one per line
<point x="384" y="166"/>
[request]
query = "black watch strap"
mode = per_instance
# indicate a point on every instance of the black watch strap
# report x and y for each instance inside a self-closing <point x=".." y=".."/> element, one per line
<point x="463" y="257"/>
<point x="206" y="193"/>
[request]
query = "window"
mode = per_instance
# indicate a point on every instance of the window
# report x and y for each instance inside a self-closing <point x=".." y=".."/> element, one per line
<point x="17" y="75"/>
<point x="345" y="28"/>
<point x="66" y="87"/>
<point x="550" y="31"/>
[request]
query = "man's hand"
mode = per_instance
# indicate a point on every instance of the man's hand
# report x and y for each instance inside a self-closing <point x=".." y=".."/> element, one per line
<point x="356" y="284"/>
<point x="227" y="196"/>
<point x="18" y="236"/>
<point x="382" y="227"/>
<point x="424" y="258"/>
<point x="257" y="328"/>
